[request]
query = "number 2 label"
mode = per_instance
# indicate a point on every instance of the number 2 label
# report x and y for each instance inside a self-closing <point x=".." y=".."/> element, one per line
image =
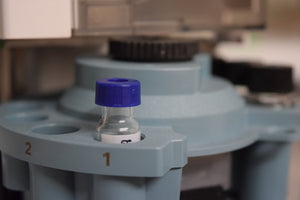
<point x="28" y="148"/>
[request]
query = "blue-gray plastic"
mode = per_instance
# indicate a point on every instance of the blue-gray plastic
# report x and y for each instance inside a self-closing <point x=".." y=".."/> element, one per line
<point x="185" y="112"/>
<point x="68" y="144"/>
<point x="15" y="173"/>
<point x="83" y="186"/>
<point x="49" y="184"/>
<point x="182" y="96"/>
<point x="260" y="171"/>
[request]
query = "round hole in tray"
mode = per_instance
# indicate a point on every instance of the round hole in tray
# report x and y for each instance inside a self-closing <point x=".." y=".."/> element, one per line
<point x="55" y="129"/>
<point x="23" y="118"/>
<point x="23" y="106"/>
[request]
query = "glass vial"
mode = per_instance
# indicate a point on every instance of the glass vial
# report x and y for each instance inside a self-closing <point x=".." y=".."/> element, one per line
<point x="118" y="96"/>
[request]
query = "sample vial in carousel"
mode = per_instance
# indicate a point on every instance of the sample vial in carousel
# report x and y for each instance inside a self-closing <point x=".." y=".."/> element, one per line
<point x="118" y="96"/>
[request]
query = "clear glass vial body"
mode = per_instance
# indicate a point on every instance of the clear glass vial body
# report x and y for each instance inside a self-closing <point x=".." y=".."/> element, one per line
<point x="118" y="126"/>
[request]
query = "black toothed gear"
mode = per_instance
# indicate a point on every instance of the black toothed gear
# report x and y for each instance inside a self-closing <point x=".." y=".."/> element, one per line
<point x="278" y="79"/>
<point x="152" y="49"/>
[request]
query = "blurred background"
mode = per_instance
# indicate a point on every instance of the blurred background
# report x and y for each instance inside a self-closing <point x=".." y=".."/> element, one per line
<point x="234" y="30"/>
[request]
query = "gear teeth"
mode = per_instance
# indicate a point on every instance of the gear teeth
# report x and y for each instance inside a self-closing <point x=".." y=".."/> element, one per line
<point x="152" y="49"/>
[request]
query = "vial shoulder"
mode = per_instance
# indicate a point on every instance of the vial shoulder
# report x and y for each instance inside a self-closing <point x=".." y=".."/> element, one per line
<point x="118" y="125"/>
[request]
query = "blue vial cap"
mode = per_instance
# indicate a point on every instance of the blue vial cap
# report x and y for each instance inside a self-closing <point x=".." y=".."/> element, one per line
<point x="118" y="92"/>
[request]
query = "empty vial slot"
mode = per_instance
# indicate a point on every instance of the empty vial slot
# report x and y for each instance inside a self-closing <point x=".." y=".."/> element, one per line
<point x="55" y="129"/>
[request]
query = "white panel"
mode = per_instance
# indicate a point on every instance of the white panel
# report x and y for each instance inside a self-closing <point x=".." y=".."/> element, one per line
<point x="24" y="19"/>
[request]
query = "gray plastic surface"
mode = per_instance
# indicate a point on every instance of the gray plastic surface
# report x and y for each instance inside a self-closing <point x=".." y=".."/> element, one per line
<point x="49" y="184"/>
<point x="261" y="171"/>
<point x="184" y="112"/>
<point x="15" y="173"/>
<point x="182" y="96"/>
<point x="273" y="124"/>
<point x="66" y="143"/>
<point x="111" y="187"/>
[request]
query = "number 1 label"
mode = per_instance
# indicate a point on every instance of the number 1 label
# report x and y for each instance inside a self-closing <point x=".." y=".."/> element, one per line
<point x="107" y="156"/>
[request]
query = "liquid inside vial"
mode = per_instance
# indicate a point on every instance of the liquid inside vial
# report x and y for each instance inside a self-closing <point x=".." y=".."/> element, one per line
<point x="118" y="126"/>
<point x="118" y="96"/>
